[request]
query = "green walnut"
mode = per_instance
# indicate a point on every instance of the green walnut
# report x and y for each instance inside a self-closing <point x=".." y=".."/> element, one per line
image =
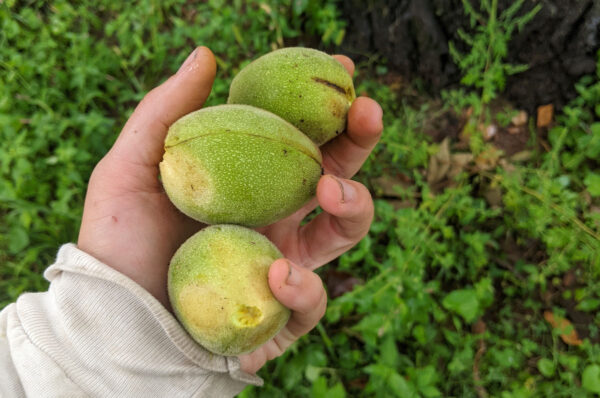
<point x="219" y="290"/>
<point x="306" y="87"/>
<point x="236" y="164"/>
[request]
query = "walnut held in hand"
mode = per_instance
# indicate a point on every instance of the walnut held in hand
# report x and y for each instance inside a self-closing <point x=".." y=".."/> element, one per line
<point x="219" y="289"/>
<point x="236" y="164"/>
<point x="306" y="87"/>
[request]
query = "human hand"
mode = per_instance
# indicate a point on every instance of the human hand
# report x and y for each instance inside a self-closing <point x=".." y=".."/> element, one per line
<point x="130" y="224"/>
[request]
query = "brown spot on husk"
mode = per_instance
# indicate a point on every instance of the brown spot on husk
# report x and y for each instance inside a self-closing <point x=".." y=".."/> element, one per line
<point x="327" y="83"/>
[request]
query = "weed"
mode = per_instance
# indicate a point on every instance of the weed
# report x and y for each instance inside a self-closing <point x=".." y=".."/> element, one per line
<point x="483" y="66"/>
<point x="454" y="289"/>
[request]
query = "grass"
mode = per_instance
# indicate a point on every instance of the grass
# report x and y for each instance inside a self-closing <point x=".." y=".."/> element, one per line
<point x="454" y="283"/>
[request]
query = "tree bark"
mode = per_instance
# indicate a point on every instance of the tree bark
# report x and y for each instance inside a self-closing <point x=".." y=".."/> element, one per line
<point x="560" y="44"/>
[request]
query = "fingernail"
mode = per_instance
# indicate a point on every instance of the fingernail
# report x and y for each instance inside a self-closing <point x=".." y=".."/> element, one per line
<point x="188" y="61"/>
<point x="348" y="193"/>
<point x="294" y="278"/>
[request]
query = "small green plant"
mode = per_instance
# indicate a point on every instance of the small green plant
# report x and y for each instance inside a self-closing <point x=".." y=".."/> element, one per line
<point x="555" y="200"/>
<point x="484" y="67"/>
<point x="454" y="290"/>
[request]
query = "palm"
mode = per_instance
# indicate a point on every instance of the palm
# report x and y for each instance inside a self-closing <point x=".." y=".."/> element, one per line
<point x="130" y="223"/>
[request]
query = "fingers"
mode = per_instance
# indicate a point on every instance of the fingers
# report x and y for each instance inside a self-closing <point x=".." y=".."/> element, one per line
<point x="347" y="216"/>
<point x="141" y="140"/>
<point x="347" y="62"/>
<point x="344" y="155"/>
<point x="300" y="290"/>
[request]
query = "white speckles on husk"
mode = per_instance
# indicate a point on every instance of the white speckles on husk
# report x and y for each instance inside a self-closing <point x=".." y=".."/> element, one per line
<point x="306" y="87"/>
<point x="236" y="164"/>
<point x="219" y="289"/>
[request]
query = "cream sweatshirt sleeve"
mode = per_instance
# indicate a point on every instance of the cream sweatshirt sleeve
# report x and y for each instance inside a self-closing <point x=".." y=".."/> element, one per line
<point x="96" y="333"/>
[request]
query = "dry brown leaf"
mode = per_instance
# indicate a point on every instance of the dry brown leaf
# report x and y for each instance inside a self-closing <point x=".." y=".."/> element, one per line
<point x="522" y="156"/>
<point x="358" y="384"/>
<point x="520" y="119"/>
<point x="506" y="165"/>
<point x="493" y="195"/>
<point x="458" y="163"/>
<point x="488" y="159"/>
<point x="514" y="130"/>
<point x="401" y="204"/>
<point x="341" y="282"/>
<point x="444" y="153"/>
<point x="462" y="158"/>
<point x="569" y="278"/>
<point x="439" y="164"/>
<point x="568" y="332"/>
<point x="390" y="186"/>
<point x="545" y="113"/>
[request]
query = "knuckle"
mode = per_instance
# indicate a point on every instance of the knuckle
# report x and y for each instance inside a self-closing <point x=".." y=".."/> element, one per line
<point x="100" y="168"/>
<point x="156" y="93"/>
<point x="332" y="166"/>
<point x="149" y="97"/>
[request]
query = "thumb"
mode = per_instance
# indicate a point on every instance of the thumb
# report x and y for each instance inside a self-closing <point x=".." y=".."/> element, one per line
<point x="302" y="291"/>
<point x="141" y="140"/>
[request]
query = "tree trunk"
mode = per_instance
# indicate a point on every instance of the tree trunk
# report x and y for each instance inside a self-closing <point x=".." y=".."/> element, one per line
<point x="560" y="44"/>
